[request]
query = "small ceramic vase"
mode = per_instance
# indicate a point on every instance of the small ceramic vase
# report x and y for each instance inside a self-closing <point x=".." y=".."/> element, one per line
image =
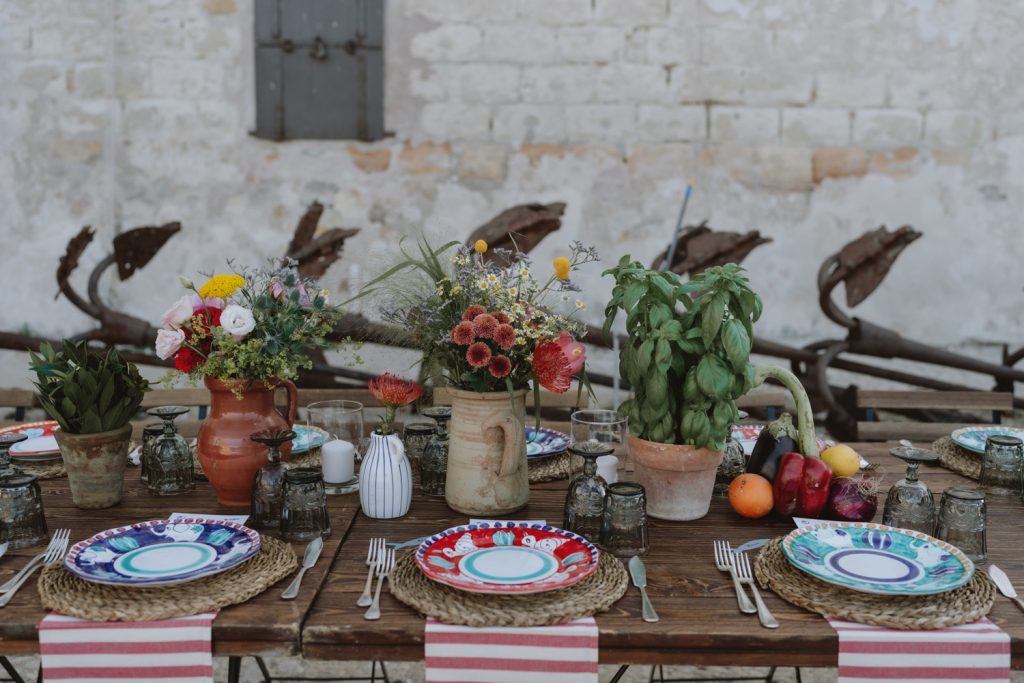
<point x="385" y="478"/>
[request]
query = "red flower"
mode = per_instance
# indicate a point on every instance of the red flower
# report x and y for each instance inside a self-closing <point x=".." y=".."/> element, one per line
<point x="551" y="367"/>
<point x="462" y="334"/>
<point x="473" y="311"/>
<point x="478" y="354"/>
<point x="500" y="366"/>
<point x="393" y="391"/>
<point x="187" y="359"/>
<point x="501" y="318"/>
<point x="484" y="325"/>
<point x="505" y="336"/>
<point x="573" y="350"/>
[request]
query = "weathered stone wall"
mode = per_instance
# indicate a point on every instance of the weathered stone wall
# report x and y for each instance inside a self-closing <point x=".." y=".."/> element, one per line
<point x="810" y="121"/>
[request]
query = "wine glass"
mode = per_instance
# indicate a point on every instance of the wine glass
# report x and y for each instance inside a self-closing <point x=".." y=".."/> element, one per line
<point x="599" y="426"/>
<point x="909" y="504"/>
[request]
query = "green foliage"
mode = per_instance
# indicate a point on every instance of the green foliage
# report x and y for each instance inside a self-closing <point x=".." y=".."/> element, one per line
<point x="85" y="391"/>
<point x="688" y="353"/>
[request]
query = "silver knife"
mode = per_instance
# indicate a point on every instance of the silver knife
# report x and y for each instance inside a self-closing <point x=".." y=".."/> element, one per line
<point x="310" y="557"/>
<point x="1002" y="582"/>
<point x="638" y="572"/>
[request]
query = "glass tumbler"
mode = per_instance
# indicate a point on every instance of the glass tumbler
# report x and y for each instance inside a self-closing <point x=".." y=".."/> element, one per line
<point x="1001" y="466"/>
<point x="434" y="463"/>
<point x="341" y="420"/>
<point x="584" y="501"/>
<point x="601" y="426"/>
<point x="169" y="468"/>
<point x="21" y="511"/>
<point x="149" y="434"/>
<point x="624" y="523"/>
<point x="415" y="438"/>
<point x="6" y="441"/>
<point x="268" y="484"/>
<point x="909" y="504"/>
<point x="962" y="521"/>
<point x="304" y="513"/>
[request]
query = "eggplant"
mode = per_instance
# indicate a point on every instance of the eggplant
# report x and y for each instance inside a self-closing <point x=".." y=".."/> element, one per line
<point x="774" y="441"/>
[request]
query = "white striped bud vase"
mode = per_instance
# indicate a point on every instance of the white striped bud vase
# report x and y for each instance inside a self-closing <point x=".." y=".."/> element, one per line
<point x="385" y="478"/>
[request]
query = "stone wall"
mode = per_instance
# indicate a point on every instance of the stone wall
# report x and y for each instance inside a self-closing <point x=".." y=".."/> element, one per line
<point x="809" y="121"/>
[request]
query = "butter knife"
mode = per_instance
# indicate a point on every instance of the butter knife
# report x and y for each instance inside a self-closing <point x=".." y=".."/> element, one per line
<point x="1002" y="582"/>
<point x="309" y="559"/>
<point x="638" y="572"/>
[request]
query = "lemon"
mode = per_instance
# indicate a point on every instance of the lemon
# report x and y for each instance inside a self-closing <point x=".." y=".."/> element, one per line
<point x="844" y="461"/>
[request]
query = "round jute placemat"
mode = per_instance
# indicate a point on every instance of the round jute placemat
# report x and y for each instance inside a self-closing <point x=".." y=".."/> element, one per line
<point x="593" y="594"/>
<point x="961" y="606"/>
<point x="550" y="469"/>
<point x="956" y="458"/>
<point x="63" y="592"/>
<point x="44" y="470"/>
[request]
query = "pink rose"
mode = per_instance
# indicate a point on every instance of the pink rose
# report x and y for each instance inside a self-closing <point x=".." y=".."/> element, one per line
<point x="277" y="289"/>
<point x="575" y="352"/>
<point x="168" y="342"/>
<point x="178" y="314"/>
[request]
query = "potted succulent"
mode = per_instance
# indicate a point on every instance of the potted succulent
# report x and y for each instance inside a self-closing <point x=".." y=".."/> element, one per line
<point x="93" y="396"/>
<point x="688" y="359"/>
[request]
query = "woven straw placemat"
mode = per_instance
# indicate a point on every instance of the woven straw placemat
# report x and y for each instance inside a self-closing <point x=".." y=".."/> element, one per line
<point x="550" y="469"/>
<point x="956" y="458"/>
<point x="44" y="470"/>
<point x="596" y="593"/>
<point x="961" y="606"/>
<point x="63" y="592"/>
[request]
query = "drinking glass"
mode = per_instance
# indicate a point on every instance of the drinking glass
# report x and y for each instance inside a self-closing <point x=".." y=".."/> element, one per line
<point x="909" y="504"/>
<point x="734" y="460"/>
<point x="600" y="426"/>
<point x="21" y="511"/>
<point x="415" y="437"/>
<point x="304" y="513"/>
<point x="624" y="522"/>
<point x="341" y="420"/>
<point x="584" y="501"/>
<point x="6" y="441"/>
<point x="1001" y="466"/>
<point x="434" y="463"/>
<point x="962" y="521"/>
<point x="268" y="484"/>
<point x="169" y="468"/>
<point x="150" y="433"/>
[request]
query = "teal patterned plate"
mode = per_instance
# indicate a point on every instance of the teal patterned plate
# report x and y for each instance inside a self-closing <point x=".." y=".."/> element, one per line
<point x="307" y="438"/>
<point x="973" y="438"/>
<point x="874" y="558"/>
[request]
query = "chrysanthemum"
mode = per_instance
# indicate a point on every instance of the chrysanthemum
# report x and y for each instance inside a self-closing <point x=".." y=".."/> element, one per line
<point x="473" y="311"/>
<point x="505" y="336"/>
<point x="501" y="317"/>
<point x="485" y="325"/>
<point x="479" y="354"/>
<point x="462" y="334"/>
<point x="500" y="366"/>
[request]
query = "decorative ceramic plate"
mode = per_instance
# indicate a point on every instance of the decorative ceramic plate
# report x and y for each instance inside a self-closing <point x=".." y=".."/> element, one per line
<point x="507" y="557"/>
<point x="973" y="438"/>
<point x="307" y="438"/>
<point x="544" y="442"/>
<point x="40" y="444"/>
<point x="874" y="558"/>
<point x="161" y="552"/>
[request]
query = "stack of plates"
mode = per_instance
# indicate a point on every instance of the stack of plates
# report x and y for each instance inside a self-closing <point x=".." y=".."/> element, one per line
<point x="973" y="438"/>
<point x="40" y="446"/>
<point x="544" y="443"/>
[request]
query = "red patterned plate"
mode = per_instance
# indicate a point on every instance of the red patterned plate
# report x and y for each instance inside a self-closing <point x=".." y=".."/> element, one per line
<point x="40" y="443"/>
<point x="507" y="557"/>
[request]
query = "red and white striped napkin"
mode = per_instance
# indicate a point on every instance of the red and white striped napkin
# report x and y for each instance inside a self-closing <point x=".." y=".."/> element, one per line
<point x="978" y="652"/>
<point x="171" y="650"/>
<point x="566" y="653"/>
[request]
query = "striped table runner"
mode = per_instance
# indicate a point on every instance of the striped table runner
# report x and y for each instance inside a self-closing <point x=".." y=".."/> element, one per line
<point x="978" y="652"/>
<point x="81" y="651"/>
<point x="566" y="653"/>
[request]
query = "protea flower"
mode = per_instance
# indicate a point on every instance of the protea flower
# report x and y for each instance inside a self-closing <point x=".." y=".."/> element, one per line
<point x="555" y="363"/>
<point x="394" y="392"/>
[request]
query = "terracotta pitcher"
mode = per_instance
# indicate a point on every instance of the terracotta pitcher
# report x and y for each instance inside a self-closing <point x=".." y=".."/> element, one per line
<point x="487" y="471"/>
<point x="229" y="458"/>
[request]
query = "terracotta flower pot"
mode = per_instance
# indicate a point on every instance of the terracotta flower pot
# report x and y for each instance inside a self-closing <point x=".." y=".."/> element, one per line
<point x="679" y="480"/>
<point x="487" y="471"/>
<point x="229" y="458"/>
<point x="95" y="464"/>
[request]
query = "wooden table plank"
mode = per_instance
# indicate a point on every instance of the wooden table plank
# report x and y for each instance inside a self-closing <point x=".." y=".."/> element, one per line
<point x="265" y="624"/>
<point x="700" y="623"/>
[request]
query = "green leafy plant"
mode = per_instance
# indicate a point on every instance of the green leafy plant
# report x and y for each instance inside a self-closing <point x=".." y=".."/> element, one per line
<point x="85" y="391"/>
<point x="694" y="336"/>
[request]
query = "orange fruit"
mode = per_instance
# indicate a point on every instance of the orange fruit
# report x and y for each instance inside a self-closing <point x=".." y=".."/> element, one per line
<point x="751" y="495"/>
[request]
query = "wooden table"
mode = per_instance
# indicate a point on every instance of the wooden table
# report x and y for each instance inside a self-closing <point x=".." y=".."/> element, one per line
<point x="699" y="625"/>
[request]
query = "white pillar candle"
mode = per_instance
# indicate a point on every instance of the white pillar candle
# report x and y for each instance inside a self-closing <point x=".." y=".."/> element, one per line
<point x="338" y="459"/>
<point x="608" y="468"/>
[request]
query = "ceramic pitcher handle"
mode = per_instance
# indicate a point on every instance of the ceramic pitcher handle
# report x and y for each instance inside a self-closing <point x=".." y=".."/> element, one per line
<point x="509" y="456"/>
<point x="293" y="401"/>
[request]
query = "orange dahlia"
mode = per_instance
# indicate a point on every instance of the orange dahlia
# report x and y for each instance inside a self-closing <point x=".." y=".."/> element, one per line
<point x="505" y="336"/>
<point x="473" y="311"/>
<point x="462" y="334"/>
<point x="484" y="325"/>
<point x="501" y="317"/>
<point x="478" y="354"/>
<point x="500" y="366"/>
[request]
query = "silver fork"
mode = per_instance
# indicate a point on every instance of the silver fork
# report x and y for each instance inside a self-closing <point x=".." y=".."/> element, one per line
<point x="724" y="562"/>
<point x="747" y="578"/>
<point x="34" y="562"/>
<point x="376" y="549"/>
<point x="54" y="552"/>
<point x="385" y="563"/>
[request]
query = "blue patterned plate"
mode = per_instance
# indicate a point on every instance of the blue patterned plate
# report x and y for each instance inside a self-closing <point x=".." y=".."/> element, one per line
<point x="973" y="438"/>
<point x="161" y="552"/>
<point x="544" y="442"/>
<point x="308" y="438"/>
<point x="874" y="558"/>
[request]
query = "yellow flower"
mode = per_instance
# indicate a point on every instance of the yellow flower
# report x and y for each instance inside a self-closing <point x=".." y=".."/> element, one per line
<point x="221" y="286"/>
<point x="480" y="246"/>
<point x="562" y="266"/>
